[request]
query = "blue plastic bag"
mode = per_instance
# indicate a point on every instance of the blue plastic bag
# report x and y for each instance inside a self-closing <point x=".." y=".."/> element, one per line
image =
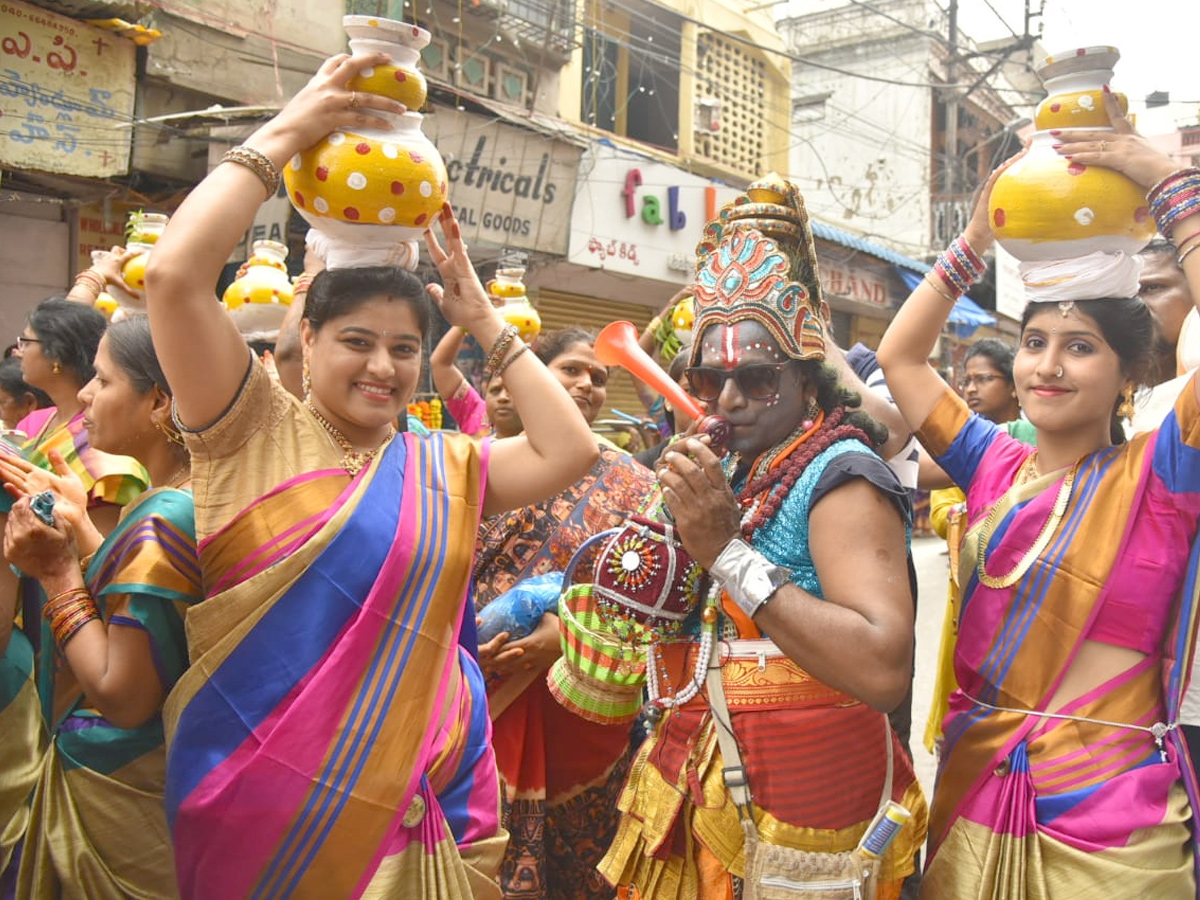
<point x="519" y="609"/>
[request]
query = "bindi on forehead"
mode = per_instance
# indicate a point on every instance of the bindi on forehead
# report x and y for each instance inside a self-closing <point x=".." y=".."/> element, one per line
<point x="736" y="345"/>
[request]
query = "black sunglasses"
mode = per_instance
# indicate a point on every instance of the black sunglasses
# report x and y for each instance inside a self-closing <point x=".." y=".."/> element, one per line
<point x="756" y="382"/>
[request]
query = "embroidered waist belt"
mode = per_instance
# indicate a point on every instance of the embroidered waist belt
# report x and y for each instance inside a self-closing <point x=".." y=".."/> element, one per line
<point x="756" y="675"/>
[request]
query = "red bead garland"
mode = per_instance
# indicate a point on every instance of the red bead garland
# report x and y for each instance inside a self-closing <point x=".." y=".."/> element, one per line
<point x="789" y="471"/>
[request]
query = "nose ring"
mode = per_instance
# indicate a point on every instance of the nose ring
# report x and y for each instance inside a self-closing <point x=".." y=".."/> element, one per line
<point x="1058" y="373"/>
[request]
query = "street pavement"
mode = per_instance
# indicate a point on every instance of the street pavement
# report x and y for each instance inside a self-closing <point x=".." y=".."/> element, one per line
<point x="933" y="572"/>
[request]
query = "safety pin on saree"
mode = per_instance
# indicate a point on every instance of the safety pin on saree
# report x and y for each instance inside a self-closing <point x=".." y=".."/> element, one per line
<point x="1158" y="730"/>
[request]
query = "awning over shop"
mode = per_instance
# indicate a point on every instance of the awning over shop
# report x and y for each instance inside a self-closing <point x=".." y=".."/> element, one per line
<point x="966" y="316"/>
<point x="857" y="242"/>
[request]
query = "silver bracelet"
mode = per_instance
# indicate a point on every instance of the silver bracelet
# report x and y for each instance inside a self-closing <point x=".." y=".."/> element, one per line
<point x="747" y="576"/>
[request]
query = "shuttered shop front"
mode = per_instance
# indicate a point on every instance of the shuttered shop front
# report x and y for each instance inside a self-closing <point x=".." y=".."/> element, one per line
<point x="559" y="310"/>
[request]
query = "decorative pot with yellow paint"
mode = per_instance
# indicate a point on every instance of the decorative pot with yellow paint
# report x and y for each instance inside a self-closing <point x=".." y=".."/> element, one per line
<point x="372" y="193"/>
<point x="1046" y="206"/>
<point x="258" y="300"/>
<point x="507" y="291"/>
<point x="143" y="230"/>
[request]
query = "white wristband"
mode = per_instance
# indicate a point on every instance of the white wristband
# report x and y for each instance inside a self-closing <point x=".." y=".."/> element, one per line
<point x="747" y="576"/>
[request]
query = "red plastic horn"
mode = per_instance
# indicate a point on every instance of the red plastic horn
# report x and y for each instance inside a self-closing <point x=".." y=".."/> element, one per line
<point x="617" y="345"/>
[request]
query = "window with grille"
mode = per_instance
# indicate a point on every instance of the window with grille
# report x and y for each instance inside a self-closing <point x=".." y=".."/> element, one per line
<point x="736" y="78"/>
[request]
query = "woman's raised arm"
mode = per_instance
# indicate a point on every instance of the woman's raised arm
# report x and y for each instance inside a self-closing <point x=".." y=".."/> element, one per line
<point x="557" y="448"/>
<point x="909" y="339"/>
<point x="201" y="351"/>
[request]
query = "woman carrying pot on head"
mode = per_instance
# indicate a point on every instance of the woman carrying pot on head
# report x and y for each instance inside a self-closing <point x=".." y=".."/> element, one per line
<point x="1060" y="768"/>
<point x="560" y="774"/>
<point x="115" y="620"/>
<point x="803" y="532"/>
<point x="332" y="736"/>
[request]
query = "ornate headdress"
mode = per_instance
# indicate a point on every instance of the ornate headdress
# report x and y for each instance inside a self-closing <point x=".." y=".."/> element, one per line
<point x="757" y="261"/>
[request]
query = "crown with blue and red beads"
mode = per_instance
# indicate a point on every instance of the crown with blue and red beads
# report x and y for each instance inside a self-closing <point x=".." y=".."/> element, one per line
<point x="757" y="261"/>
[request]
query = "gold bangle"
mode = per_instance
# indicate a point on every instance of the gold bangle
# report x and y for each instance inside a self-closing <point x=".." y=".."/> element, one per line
<point x="61" y="599"/>
<point x="258" y="163"/>
<point x="1184" y="255"/>
<point x="950" y="298"/>
<point x="508" y="362"/>
<point x="653" y="325"/>
<point x="94" y="280"/>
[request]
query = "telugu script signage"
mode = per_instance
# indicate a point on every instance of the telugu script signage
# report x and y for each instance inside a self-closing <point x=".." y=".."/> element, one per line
<point x="509" y="186"/>
<point x="66" y="90"/>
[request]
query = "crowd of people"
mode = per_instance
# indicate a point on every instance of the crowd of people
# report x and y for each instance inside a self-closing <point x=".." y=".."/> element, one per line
<point x="240" y="608"/>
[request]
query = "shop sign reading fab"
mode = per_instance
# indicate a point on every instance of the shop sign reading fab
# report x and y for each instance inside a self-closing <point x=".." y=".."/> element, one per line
<point x="66" y="94"/>
<point x="641" y="218"/>
<point x="509" y="186"/>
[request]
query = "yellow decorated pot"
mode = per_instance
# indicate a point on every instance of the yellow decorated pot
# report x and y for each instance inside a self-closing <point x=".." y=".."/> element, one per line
<point x="683" y="316"/>
<point x="396" y="82"/>
<point x="403" y="42"/>
<point x="369" y="193"/>
<point x="1047" y="207"/>
<point x="394" y="178"/>
<point x="519" y="311"/>
<point x="133" y="271"/>
<point x="507" y="283"/>
<point x="265" y="282"/>
<point x="107" y="304"/>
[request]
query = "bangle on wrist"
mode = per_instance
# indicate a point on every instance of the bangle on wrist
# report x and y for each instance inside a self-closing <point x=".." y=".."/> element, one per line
<point x="93" y="280"/>
<point x="499" y="350"/>
<point x="748" y="577"/>
<point x="302" y="283"/>
<point x="258" y="163"/>
<point x="68" y="611"/>
<point x="521" y="348"/>
<point x="933" y="283"/>
<point x="1175" y="198"/>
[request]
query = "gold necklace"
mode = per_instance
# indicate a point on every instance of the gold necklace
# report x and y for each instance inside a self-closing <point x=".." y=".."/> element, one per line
<point x="353" y="460"/>
<point x="1035" y="550"/>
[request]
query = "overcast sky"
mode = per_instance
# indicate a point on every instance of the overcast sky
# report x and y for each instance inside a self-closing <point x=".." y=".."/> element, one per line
<point x="1156" y="39"/>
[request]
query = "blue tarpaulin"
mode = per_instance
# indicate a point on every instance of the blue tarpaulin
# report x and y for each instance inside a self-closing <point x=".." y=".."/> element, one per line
<point x="966" y="316"/>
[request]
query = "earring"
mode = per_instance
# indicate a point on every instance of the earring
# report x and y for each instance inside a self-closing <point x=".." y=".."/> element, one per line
<point x="306" y="379"/>
<point x="1126" y="410"/>
<point x="170" y="434"/>
<point x="810" y="415"/>
<point x="56" y="368"/>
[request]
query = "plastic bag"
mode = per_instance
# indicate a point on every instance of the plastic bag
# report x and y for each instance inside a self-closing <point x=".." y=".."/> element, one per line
<point x="519" y="609"/>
